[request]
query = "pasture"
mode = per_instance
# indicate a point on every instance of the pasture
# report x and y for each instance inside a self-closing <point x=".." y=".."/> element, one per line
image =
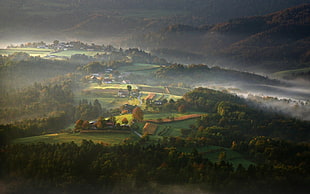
<point x="107" y="94"/>
<point x="212" y="153"/>
<point x="136" y="67"/>
<point x="44" y="52"/>
<point x="31" y="51"/>
<point x="106" y="138"/>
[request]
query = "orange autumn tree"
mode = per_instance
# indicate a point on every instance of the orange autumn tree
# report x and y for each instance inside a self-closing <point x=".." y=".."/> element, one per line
<point x="137" y="114"/>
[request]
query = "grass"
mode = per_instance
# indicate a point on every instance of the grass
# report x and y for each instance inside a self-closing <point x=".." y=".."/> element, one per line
<point x="69" y="53"/>
<point x="151" y="116"/>
<point x="107" y="94"/>
<point x="212" y="153"/>
<point x="107" y="138"/>
<point x="139" y="67"/>
<point x="172" y="129"/>
<point x="44" y="52"/>
<point x="30" y="51"/>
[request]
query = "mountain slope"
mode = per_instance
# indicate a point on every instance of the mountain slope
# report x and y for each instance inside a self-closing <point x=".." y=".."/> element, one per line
<point x="49" y="20"/>
<point x="280" y="39"/>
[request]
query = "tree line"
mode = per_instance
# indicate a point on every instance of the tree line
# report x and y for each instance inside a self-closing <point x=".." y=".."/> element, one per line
<point x="134" y="167"/>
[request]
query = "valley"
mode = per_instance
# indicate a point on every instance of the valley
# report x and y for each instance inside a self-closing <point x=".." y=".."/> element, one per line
<point x="134" y="96"/>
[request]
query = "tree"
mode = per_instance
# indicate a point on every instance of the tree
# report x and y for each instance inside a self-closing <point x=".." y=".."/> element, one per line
<point x="85" y="125"/>
<point x="56" y="42"/>
<point x="181" y="109"/>
<point x="97" y="109"/>
<point x="93" y="67"/>
<point x="137" y="114"/>
<point x="125" y="121"/>
<point x="129" y="88"/>
<point x="78" y="124"/>
<point x="222" y="157"/>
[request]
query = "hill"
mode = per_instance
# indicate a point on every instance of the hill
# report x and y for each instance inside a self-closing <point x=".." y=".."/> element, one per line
<point x="272" y="42"/>
<point x="111" y="20"/>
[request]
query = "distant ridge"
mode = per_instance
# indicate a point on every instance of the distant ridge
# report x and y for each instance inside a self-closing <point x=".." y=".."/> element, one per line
<point x="275" y="41"/>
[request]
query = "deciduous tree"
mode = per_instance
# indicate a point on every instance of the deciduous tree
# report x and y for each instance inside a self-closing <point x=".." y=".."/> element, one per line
<point x="137" y="114"/>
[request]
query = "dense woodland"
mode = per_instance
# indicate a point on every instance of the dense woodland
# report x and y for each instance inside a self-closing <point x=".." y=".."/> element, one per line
<point x="44" y="103"/>
<point x="38" y="96"/>
<point x="281" y="165"/>
<point x="132" y="168"/>
<point x="193" y="74"/>
<point x="272" y="42"/>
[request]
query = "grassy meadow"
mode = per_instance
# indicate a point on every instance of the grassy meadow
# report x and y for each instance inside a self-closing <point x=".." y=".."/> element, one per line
<point x="212" y="153"/>
<point x="31" y="51"/>
<point x="44" y="52"/>
<point x="106" y="138"/>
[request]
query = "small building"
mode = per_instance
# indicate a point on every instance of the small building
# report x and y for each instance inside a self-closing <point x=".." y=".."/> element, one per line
<point x="107" y="81"/>
<point x="158" y="102"/>
<point x="126" y="82"/>
<point x="122" y="94"/>
<point x="129" y="108"/>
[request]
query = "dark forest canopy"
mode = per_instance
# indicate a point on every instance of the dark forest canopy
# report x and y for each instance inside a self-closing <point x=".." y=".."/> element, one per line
<point x="134" y="168"/>
<point x="272" y="42"/>
<point x="102" y="20"/>
<point x="224" y="144"/>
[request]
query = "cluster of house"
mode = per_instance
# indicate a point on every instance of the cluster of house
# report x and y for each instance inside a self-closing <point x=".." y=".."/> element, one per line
<point x="106" y="77"/>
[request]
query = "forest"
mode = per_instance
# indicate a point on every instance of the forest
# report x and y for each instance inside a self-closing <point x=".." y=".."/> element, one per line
<point x="138" y="167"/>
<point x="139" y="96"/>
<point x="278" y="146"/>
<point x="268" y="150"/>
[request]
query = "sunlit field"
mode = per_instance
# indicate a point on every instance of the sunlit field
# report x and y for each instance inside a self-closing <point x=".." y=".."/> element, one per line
<point x="106" y="138"/>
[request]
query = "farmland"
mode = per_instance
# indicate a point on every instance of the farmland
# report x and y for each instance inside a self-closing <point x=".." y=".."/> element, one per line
<point x="30" y="51"/>
<point x="139" y="67"/>
<point x="212" y="154"/>
<point x="106" y="138"/>
<point x="46" y="52"/>
<point x="107" y="93"/>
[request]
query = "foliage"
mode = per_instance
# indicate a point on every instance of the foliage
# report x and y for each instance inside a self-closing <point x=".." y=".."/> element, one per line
<point x="199" y="73"/>
<point x="94" y="167"/>
<point x="137" y="114"/>
<point x="234" y="119"/>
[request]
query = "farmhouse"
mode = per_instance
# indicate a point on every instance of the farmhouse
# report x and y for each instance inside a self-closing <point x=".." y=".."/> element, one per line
<point x="128" y="108"/>
<point x="107" y="81"/>
<point x="122" y="93"/>
<point x="158" y="102"/>
<point x="126" y="82"/>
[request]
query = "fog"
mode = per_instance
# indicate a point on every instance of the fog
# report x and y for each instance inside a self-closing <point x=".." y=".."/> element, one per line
<point x="292" y="100"/>
<point x="139" y="59"/>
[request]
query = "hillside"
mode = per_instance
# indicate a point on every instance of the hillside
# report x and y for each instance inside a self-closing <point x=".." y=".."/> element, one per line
<point x="89" y="119"/>
<point x="111" y="21"/>
<point x="272" y="42"/>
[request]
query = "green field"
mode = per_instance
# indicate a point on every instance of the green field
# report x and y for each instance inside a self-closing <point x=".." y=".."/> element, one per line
<point x="30" y="51"/>
<point x="212" y="153"/>
<point x="45" y="52"/>
<point x="107" y="138"/>
<point x="107" y="94"/>
<point x="136" y="67"/>
<point x="151" y="116"/>
<point x="69" y="53"/>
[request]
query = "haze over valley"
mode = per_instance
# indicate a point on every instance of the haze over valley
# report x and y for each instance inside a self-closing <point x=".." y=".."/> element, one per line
<point x="137" y="96"/>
